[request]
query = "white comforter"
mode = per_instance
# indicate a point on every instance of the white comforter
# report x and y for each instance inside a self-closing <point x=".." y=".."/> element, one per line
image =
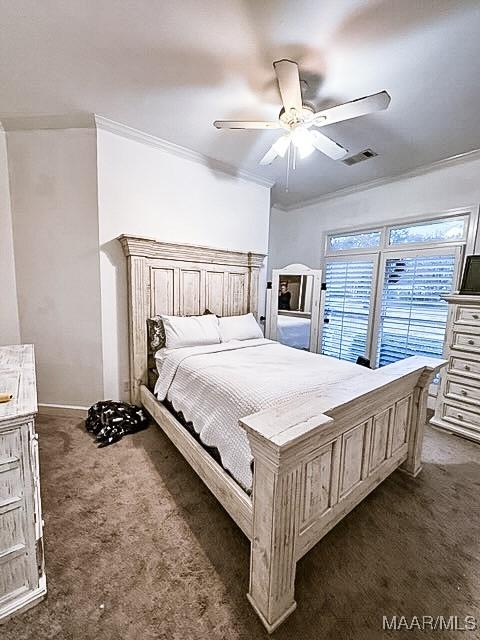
<point x="216" y="385"/>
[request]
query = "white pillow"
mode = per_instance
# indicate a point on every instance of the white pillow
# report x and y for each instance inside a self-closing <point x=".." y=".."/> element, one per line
<point x="239" y="328"/>
<point x="190" y="331"/>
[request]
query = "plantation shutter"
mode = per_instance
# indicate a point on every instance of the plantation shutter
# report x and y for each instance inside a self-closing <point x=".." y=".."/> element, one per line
<point x="348" y="299"/>
<point x="413" y="316"/>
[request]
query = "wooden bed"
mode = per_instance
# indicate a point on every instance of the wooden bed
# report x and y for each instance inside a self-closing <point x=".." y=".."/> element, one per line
<point x="315" y="459"/>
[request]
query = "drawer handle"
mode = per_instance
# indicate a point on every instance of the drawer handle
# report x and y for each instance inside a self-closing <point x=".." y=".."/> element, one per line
<point x="463" y="392"/>
<point x="467" y="367"/>
<point x="471" y="342"/>
<point x="475" y="316"/>
<point x="459" y="416"/>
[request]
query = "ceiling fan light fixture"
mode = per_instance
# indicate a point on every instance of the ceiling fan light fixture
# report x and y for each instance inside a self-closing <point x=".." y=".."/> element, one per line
<point x="281" y="145"/>
<point x="303" y="142"/>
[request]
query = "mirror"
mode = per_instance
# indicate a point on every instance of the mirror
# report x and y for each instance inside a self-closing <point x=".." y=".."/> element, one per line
<point x="294" y="310"/>
<point x="294" y="307"/>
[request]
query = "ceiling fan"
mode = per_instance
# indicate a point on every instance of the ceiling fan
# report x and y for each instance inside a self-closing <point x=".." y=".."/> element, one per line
<point x="297" y="119"/>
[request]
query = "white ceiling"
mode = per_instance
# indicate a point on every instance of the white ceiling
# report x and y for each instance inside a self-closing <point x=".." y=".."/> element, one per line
<point x="171" y="68"/>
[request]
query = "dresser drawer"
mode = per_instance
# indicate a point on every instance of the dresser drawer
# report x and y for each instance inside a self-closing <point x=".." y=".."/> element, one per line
<point x="467" y="315"/>
<point x="461" y="416"/>
<point x="13" y="578"/>
<point x="11" y="482"/>
<point x="12" y="504"/>
<point x="10" y="445"/>
<point x="463" y="366"/>
<point x="466" y="341"/>
<point x="463" y="392"/>
<point x="12" y="537"/>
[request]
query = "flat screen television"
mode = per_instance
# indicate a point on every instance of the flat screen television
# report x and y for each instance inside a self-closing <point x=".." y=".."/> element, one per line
<point x="471" y="276"/>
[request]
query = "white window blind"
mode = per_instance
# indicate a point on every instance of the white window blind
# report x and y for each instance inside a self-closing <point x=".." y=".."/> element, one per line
<point x="413" y="315"/>
<point x="347" y="308"/>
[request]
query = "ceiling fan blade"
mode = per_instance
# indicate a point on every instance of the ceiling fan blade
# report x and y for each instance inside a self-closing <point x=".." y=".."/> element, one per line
<point x="289" y="84"/>
<point x="353" y="109"/>
<point x="278" y="148"/>
<point x="325" y="145"/>
<point x="269" y="157"/>
<point x="233" y="124"/>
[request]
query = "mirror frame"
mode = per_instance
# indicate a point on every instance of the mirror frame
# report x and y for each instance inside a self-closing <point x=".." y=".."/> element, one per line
<point x="272" y="304"/>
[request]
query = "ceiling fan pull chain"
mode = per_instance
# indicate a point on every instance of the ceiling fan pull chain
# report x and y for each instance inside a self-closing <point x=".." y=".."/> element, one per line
<point x="288" y="169"/>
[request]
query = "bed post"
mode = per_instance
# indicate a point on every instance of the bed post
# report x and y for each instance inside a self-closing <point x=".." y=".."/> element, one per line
<point x="138" y="298"/>
<point x="276" y="497"/>
<point x="413" y="464"/>
<point x="277" y="510"/>
<point x="255" y="264"/>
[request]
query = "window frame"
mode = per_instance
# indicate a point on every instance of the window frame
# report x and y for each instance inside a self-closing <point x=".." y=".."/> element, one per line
<point x="357" y="232"/>
<point x="364" y="257"/>
<point x="411" y="252"/>
<point x="430" y="243"/>
<point x="465" y="247"/>
<point x="471" y="213"/>
<point x="361" y="251"/>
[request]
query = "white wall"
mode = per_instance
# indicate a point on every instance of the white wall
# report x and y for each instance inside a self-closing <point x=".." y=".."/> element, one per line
<point x="53" y="182"/>
<point x="146" y="191"/>
<point x="287" y="243"/>
<point x="9" y="325"/>
<point x="298" y="235"/>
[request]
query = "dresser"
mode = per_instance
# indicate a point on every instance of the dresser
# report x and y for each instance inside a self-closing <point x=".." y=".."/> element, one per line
<point x="458" y="402"/>
<point x="22" y="574"/>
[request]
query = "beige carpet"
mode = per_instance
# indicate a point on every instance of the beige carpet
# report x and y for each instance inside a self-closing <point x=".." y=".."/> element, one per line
<point x="138" y="549"/>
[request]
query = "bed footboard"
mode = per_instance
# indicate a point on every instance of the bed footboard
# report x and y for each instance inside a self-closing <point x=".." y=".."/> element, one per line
<point x="317" y="458"/>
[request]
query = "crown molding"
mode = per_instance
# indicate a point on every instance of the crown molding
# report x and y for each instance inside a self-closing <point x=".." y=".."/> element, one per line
<point x="378" y="182"/>
<point x="78" y="120"/>
<point x="283" y="207"/>
<point x="175" y="149"/>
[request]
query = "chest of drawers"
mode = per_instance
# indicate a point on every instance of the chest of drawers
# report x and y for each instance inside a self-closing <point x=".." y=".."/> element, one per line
<point x="22" y="575"/>
<point x="458" y="401"/>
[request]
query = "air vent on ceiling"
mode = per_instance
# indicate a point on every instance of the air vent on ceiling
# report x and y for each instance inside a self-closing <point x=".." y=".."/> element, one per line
<point x="360" y="157"/>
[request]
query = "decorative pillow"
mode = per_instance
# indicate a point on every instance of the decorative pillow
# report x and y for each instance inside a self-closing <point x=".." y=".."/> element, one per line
<point x="190" y="331"/>
<point x="155" y="334"/>
<point x="239" y="328"/>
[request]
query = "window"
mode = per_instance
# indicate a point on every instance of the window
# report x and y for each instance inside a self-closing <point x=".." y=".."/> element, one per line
<point x="347" y="308"/>
<point x="367" y="240"/>
<point x="443" y="230"/>
<point x="414" y="264"/>
<point x="413" y="315"/>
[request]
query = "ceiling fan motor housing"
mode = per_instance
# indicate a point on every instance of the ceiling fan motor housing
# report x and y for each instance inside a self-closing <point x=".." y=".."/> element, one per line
<point x="293" y="118"/>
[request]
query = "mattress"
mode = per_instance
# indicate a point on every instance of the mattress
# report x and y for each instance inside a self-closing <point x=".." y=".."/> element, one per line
<point x="215" y="386"/>
<point x="293" y="331"/>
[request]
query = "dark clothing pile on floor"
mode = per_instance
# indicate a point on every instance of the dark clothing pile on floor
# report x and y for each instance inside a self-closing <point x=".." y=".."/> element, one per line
<point x="109" y="421"/>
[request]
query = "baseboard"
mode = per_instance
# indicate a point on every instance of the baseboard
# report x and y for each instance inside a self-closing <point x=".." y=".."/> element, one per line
<point x="62" y="411"/>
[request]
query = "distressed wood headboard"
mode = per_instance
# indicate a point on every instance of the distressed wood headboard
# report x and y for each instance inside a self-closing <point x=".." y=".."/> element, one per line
<point x="182" y="279"/>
